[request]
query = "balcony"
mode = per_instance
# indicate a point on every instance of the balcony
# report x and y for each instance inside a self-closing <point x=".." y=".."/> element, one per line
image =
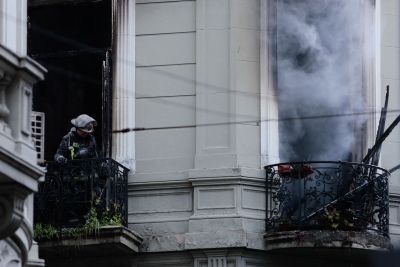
<point x="327" y="204"/>
<point x="82" y="191"/>
<point x="70" y="190"/>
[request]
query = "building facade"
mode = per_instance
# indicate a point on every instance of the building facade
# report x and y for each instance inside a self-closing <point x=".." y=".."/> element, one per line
<point x="19" y="171"/>
<point x="199" y="108"/>
<point x="211" y="64"/>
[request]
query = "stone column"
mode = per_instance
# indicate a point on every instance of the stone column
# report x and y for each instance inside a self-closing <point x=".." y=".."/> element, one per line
<point x="124" y="81"/>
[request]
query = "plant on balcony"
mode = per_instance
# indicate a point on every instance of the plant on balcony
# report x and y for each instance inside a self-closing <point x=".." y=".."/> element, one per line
<point x="93" y="222"/>
<point x="45" y="231"/>
<point x="334" y="219"/>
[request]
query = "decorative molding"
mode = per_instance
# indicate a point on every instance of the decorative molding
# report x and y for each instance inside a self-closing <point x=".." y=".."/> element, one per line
<point x="217" y="261"/>
<point x="160" y="202"/>
<point x="12" y="199"/>
<point x="5" y="80"/>
<point x="19" y="73"/>
<point x="23" y="238"/>
<point x="216" y="198"/>
<point x="26" y="100"/>
<point x="253" y="199"/>
<point x="19" y="171"/>
<point x="9" y="254"/>
<point x="224" y="181"/>
<point x="227" y="172"/>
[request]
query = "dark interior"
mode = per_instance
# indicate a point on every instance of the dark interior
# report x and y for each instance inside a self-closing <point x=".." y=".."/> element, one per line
<point x="70" y="41"/>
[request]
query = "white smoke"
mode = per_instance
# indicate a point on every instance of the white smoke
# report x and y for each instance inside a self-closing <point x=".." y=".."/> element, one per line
<point x="320" y="77"/>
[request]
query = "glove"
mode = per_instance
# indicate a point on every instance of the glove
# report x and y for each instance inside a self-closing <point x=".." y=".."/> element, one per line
<point x="61" y="160"/>
<point x="83" y="154"/>
<point x="91" y="151"/>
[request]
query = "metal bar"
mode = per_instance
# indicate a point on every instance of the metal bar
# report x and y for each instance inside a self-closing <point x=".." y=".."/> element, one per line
<point x="70" y="53"/>
<point x="106" y="107"/>
<point x="381" y="128"/>
<point x="395" y="168"/>
<point x="381" y="139"/>
<point x="126" y="196"/>
<point x="266" y="198"/>
<point x="342" y="198"/>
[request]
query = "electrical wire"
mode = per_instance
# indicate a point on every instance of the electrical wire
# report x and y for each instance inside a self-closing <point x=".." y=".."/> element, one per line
<point x="253" y="122"/>
<point x="213" y="88"/>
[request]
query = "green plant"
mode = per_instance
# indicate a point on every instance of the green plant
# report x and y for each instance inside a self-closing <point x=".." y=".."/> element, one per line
<point x="46" y="231"/>
<point x="93" y="223"/>
<point x="335" y="219"/>
<point x="108" y="218"/>
<point x="73" y="232"/>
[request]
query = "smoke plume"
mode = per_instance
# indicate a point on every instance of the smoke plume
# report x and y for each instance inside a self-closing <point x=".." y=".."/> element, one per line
<point x="320" y="78"/>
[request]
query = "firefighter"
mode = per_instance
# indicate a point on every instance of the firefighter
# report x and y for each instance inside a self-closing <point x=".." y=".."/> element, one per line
<point x="78" y="143"/>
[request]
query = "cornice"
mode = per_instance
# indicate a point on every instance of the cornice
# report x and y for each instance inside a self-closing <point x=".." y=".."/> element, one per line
<point x="15" y="169"/>
<point x="25" y="66"/>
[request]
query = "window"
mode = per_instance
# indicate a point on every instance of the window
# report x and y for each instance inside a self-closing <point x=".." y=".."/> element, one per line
<point x="70" y="39"/>
<point x="37" y="120"/>
<point x="322" y="55"/>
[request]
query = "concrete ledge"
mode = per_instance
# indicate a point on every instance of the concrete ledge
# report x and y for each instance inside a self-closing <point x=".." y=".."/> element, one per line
<point x="110" y="241"/>
<point x="327" y="248"/>
<point x="328" y="239"/>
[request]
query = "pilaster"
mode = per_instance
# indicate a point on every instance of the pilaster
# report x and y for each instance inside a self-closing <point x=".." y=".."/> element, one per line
<point x="228" y="84"/>
<point x="268" y="84"/>
<point x="13" y="25"/>
<point x="124" y="81"/>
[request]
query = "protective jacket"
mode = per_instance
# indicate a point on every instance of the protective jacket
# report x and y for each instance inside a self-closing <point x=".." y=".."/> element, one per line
<point x="73" y="146"/>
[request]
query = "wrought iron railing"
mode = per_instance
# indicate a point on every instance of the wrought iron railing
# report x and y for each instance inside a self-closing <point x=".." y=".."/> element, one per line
<point x="327" y="195"/>
<point x="71" y="190"/>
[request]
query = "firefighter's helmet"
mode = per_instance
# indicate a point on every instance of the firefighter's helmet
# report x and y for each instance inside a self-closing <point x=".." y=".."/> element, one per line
<point x="84" y="123"/>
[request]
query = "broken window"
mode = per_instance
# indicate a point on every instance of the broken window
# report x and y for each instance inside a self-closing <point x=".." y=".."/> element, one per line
<point x="321" y="79"/>
<point x="70" y="39"/>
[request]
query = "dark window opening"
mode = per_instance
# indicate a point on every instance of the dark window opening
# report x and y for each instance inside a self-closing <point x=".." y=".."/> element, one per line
<point x="321" y="88"/>
<point x="70" y="41"/>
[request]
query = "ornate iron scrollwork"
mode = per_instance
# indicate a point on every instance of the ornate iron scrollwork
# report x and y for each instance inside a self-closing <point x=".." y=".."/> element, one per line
<point x="327" y="195"/>
<point x="70" y="190"/>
